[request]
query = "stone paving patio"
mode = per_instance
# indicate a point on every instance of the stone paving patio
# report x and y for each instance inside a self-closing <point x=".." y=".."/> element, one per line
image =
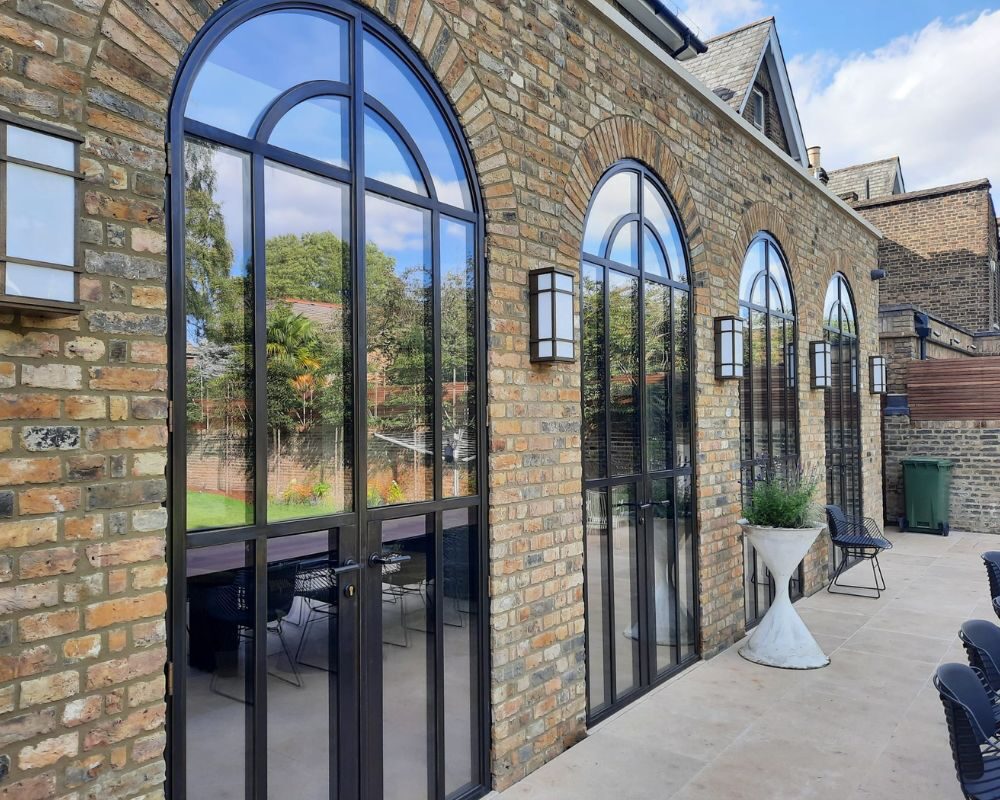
<point x="868" y="726"/>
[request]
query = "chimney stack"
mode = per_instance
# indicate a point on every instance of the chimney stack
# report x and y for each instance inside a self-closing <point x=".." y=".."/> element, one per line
<point x="814" y="160"/>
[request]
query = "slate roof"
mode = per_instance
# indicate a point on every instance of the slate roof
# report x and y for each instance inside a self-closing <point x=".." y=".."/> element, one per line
<point x="982" y="184"/>
<point x="729" y="66"/>
<point x="881" y="177"/>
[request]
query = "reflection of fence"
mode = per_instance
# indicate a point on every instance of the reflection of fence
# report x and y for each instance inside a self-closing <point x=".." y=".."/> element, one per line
<point x="961" y="388"/>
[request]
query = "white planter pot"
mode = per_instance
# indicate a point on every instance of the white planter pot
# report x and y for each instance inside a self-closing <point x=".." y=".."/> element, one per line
<point x="782" y="639"/>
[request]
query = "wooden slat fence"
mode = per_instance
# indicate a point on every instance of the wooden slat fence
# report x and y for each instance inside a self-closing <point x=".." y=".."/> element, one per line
<point x="959" y="388"/>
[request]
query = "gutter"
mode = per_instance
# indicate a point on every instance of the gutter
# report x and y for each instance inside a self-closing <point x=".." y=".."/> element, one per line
<point x="659" y="19"/>
<point x="724" y="110"/>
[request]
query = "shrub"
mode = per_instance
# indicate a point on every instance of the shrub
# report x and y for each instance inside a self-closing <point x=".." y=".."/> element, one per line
<point x="374" y="497"/>
<point x="783" y="502"/>
<point x="395" y="494"/>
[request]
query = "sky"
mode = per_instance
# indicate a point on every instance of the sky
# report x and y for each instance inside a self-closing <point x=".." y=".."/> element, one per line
<point x="878" y="78"/>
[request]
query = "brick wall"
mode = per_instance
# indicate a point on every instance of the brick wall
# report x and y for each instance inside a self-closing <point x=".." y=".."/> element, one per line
<point x="549" y="97"/>
<point x="937" y="250"/>
<point x="974" y="448"/>
<point x="774" y="129"/>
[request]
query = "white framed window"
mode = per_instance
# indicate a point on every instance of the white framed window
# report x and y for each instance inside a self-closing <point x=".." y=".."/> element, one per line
<point x="39" y="216"/>
<point x="757" y="108"/>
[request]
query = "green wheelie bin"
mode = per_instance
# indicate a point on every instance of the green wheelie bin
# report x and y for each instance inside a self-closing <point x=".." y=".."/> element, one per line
<point x="927" y="484"/>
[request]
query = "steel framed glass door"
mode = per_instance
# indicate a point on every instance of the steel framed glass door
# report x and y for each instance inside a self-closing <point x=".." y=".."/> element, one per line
<point x="327" y="319"/>
<point x="843" y="405"/>
<point x="636" y="355"/>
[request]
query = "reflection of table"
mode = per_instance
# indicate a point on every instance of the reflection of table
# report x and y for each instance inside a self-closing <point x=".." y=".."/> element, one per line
<point x="782" y="639"/>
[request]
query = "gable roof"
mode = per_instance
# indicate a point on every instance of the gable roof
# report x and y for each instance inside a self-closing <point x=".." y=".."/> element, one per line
<point x="883" y="178"/>
<point x="730" y="67"/>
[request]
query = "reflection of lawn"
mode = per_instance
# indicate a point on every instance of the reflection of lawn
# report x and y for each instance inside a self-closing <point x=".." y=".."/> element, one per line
<point x="206" y="510"/>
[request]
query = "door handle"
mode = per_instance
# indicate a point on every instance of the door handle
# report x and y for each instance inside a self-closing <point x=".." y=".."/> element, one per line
<point x="387" y="558"/>
<point x="348" y="566"/>
<point x="645" y="506"/>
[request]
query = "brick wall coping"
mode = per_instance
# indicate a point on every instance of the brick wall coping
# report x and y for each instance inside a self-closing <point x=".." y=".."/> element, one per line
<point x="925" y="194"/>
<point x="616" y="18"/>
<point x="897" y="307"/>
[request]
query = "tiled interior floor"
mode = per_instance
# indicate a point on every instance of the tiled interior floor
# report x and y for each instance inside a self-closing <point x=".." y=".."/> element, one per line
<point x="868" y="726"/>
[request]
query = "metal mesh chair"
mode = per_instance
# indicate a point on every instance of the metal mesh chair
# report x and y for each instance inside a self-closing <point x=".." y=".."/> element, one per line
<point x="858" y="538"/>
<point x="971" y="728"/>
<point x="991" y="558"/>
<point x="316" y="584"/>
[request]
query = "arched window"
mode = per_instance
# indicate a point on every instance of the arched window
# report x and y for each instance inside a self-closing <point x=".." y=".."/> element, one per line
<point x="843" y="399"/>
<point x="769" y="389"/>
<point x="328" y="349"/>
<point x="636" y="359"/>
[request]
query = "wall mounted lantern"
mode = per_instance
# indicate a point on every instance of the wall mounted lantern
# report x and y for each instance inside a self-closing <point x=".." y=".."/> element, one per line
<point x="550" y="292"/>
<point x="39" y="198"/>
<point x="728" y="348"/>
<point x="879" y="377"/>
<point x="821" y="358"/>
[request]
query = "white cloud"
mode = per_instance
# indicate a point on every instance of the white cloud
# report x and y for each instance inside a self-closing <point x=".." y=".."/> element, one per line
<point x="713" y="17"/>
<point x="931" y="98"/>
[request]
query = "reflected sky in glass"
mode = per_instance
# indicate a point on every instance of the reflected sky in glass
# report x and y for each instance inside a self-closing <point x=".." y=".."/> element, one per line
<point x="318" y="128"/>
<point x="262" y="58"/>
<point x="616" y="198"/>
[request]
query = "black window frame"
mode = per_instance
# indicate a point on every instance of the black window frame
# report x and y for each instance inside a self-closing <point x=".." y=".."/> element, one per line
<point x="360" y="20"/>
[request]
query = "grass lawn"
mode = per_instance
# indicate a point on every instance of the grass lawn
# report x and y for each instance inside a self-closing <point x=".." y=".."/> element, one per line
<point x="207" y="510"/>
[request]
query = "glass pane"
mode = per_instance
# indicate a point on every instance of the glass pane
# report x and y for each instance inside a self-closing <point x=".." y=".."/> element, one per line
<point x="625" y="249"/>
<point x="753" y="265"/>
<point x="400" y="352"/>
<point x="779" y="274"/>
<point x="387" y="158"/>
<point x="219" y="307"/>
<point x="458" y="357"/>
<point x="317" y="128"/>
<point x="23" y="280"/>
<point x="307" y="260"/>
<point x="397" y="87"/>
<point x="262" y="58"/>
<point x="597" y="588"/>
<point x="594" y="362"/>
<point x="39" y="147"/>
<point x="659" y="357"/>
<point x="407" y="658"/>
<point x="219" y="686"/>
<point x="462" y="726"/>
<point x="625" y="577"/>
<point x="654" y="259"/>
<point x="779" y="387"/>
<point x="665" y="576"/>
<point x="618" y="197"/>
<point x="832" y="299"/>
<point x="302" y="665"/>
<point x="41" y="214"/>
<point x="682" y="378"/>
<point x="759" y="376"/>
<point x="687" y="577"/>
<point x="658" y="213"/>
<point x="623" y="360"/>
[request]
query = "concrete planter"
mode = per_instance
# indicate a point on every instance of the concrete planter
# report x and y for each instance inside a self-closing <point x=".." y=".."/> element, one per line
<point x="782" y="639"/>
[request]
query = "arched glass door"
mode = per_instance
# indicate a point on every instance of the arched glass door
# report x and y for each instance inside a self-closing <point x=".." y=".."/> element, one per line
<point x="843" y="403"/>
<point x="327" y="369"/>
<point x="769" y="421"/>
<point x="636" y="358"/>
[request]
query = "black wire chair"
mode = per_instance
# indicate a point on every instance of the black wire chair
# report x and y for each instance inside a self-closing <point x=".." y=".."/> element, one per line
<point x="231" y="604"/>
<point x="858" y="538"/>
<point x="991" y="558"/>
<point x="316" y="584"/>
<point x="968" y="709"/>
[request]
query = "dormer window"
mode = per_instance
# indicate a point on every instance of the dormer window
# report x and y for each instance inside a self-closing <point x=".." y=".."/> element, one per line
<point x="757" y="109"/>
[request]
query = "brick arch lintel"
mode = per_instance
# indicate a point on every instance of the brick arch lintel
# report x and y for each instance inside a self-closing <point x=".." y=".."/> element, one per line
<point x="762" y="217"/>
<point x="613" y="140"/>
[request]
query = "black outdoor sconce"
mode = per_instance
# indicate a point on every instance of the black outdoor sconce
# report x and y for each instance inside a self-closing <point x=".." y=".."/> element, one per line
<point x="728" y="348"/>
<point x="879" y="377"/>
<point x="550" y="292"/>
<point x="821" y="357"/>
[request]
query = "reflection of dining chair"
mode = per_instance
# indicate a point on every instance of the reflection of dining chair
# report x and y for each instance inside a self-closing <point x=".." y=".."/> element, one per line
<point x="401" y="579"/>
<point x="316" y="584"/>
<point x="232" y="605"/>
<point x="458" y="567"/>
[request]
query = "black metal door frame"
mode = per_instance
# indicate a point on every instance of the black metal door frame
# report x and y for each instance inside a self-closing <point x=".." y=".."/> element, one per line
<point x="359" y="718"/>
<point x="643" y="509"/>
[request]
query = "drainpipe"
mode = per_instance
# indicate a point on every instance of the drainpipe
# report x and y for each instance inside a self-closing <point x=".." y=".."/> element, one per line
<point x="922" y="325"/>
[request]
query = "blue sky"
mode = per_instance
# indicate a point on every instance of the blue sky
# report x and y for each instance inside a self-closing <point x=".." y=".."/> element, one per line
<point x="894" y="77"/>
